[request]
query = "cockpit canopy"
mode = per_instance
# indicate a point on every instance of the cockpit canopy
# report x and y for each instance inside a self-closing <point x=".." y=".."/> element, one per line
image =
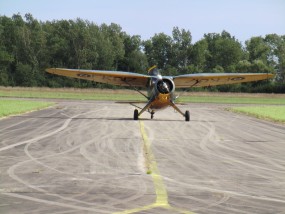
<point x="154" y="71"/>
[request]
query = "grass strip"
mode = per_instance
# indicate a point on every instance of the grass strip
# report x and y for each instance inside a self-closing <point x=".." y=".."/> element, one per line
<point x="98" y="95"/>
<point x="71" y="95"/>
<point x="232" y="100"/>
<point x="12" y="107"/>
<point x="273" y="113"/>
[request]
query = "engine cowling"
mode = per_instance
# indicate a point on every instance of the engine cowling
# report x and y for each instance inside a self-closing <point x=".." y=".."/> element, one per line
<point x="165" y="86"/>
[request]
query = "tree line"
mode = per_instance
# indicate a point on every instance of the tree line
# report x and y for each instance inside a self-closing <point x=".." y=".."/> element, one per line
<point x="29" y="46"/>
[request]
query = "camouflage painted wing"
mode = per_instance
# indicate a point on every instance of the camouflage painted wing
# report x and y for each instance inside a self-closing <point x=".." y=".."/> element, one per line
<point x="110" y="77"/>
<point x="212" y="79"/>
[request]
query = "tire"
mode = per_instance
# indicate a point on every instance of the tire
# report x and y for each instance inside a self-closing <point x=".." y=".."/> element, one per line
<point x="136" y="114"/>
<point x="187" y="116"/>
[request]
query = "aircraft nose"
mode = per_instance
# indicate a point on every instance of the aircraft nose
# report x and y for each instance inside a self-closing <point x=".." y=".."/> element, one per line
<point x="165" y="86"/>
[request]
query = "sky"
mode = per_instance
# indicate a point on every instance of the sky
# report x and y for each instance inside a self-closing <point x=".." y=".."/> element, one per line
<point x="241" y="18"/>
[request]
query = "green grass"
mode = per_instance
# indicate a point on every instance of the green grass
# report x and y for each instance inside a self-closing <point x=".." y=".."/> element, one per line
<point x="8" y="107"/>
<point x="127" y="95"/>
<point x="232" y="100"/>
<point x="71" y="95"/>
<point x="124" y="95"/>
<point x="12" y="107"/>
<point x="273" y="113"/>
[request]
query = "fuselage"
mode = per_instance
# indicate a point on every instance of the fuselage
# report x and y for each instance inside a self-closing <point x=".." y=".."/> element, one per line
<point x="160" y="90"/>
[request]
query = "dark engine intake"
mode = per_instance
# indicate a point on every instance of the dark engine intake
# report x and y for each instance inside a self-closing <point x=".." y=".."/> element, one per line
<point x="165" y="86"/>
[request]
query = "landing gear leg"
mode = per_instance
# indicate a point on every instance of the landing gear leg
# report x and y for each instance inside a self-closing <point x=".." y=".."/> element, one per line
<point x="186" y="115"/>
<point x="136" y="114"/>
<point x="151" y="114"/>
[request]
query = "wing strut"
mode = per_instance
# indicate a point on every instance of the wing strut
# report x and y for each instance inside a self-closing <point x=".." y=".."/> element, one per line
<point x="186" y="115"/>
<point x="176" y="108"/>
<point x="136" y="89"/>
<point x="137" y="114"/>
<point x="146" y="107"/>
<point x="132" y="104"/>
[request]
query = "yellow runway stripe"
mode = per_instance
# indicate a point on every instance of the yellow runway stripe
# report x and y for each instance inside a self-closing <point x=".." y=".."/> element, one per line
<point x="160" y="189"/>
<point x="161" y="193"/>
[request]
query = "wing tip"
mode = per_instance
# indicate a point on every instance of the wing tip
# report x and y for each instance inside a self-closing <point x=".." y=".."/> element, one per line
<point x="50" y="70"/>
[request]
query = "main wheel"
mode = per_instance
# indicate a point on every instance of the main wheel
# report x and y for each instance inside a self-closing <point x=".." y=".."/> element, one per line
<point x="136" y="114"/>
<point x="187" y="116"/>
<point x="151" y="114"/>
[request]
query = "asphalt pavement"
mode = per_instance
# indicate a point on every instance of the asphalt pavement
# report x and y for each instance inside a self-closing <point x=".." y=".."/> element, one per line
<point x="92" y="157"/>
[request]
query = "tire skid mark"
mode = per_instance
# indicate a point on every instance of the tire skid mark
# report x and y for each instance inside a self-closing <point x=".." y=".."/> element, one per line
<point x="54" y="203"/>
<point x="242" y="200"/>
<point x="180" y="161"/>
<point x="141" y="188"/>
<point x="165" y="135"/>
<point x="11" y="171"/>
<point x="5" y="132"/>
<point x="24" y="121"/>
<point x="264" y="158"/>
<point x="207" y="206"/>
<point x="66" y="123"/>
<point x="160" y="189"/>
<point x="231" y="193"/>
<point x="64" y="212"/>
<point x="116" y="201"/>
<point x="212" y="136"/>
<point x="105" y="155"/>
<point x="53" y="169"/>
<point x="208" y="152"/>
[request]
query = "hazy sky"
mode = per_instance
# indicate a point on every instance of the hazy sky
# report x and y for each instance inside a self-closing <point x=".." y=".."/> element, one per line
<point x="242" y="18"/>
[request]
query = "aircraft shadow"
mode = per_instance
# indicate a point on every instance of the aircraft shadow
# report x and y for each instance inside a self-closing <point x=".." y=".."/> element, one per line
<point x="108" y="118"/>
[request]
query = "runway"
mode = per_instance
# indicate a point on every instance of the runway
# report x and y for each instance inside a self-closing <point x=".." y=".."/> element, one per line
<point x="92" y="157"/>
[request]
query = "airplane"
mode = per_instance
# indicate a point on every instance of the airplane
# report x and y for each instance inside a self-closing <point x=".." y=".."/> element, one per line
<point x="160" y="88"/>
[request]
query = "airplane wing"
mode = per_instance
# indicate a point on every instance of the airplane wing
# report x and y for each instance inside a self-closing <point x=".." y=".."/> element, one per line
<point x="111" y="77"/>
<point x="212" y="79"/>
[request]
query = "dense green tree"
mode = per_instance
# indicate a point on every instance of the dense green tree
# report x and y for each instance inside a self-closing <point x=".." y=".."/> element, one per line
<point x="159" y="50"/>
<point x="25" y="75"/>
<point x="200" y="54"/>
<point x="181" y="48"/>
<point x="29" y="46"/>
<point x="134" y="59"/>
<point x="172" y="54"/>
<point x="223" y="50"/>
<point x="277" y="55"/>
<point x="218" y="69"/>
<point x="243" y="66"/>
<point x="258" y="49"/>
<point x="5" y="57"/>
<point x="114" y="43"/>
